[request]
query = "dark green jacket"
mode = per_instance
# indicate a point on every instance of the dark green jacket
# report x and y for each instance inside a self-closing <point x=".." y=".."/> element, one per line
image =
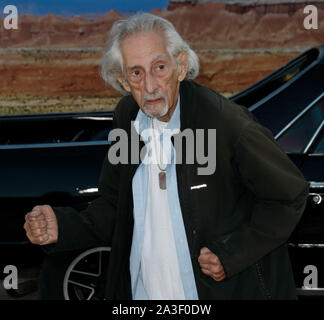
<point x="245" y="215"/>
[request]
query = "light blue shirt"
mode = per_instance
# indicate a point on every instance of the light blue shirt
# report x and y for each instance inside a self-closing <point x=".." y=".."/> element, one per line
<point x="140" y="185"/>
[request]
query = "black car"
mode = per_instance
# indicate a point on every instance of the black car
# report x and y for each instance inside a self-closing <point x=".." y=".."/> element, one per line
<point x="56" y="159"/>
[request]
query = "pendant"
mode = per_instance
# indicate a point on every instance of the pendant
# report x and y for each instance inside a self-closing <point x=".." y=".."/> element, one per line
<point x="162" y="180"/>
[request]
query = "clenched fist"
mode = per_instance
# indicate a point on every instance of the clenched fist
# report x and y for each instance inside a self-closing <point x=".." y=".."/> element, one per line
<point x="41" y="225"/>
<point x="211" y="265"/>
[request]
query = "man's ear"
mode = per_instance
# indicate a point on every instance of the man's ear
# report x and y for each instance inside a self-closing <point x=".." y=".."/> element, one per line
<point x="123" y="82"/>
<point x="182" y="65"/>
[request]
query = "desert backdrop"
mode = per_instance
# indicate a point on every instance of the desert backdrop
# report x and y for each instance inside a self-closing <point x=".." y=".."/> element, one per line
<point x="52" y="63"/>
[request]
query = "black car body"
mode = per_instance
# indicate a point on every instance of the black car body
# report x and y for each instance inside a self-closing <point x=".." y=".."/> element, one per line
<point x="56" y="159"/>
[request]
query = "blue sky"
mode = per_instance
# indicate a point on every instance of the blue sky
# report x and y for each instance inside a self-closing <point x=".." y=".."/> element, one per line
<point x="70" y="7"/>
<point x="75" y="7"/>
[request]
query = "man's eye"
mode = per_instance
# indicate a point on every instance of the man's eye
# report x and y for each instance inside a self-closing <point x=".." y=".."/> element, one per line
<point x="160" y="69"/>
<point x="136" y="73"/>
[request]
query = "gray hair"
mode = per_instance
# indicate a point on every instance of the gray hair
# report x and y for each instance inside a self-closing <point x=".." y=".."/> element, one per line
<point x="112" y="61"/>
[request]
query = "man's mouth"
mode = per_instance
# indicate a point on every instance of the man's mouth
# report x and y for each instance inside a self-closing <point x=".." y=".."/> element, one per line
<point x="154" y="102"/>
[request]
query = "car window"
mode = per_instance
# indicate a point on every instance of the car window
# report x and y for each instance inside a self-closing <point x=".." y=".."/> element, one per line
<point x="297" y="137"/>
<point x="58" y="128"/>
<point x="266" y="86"/>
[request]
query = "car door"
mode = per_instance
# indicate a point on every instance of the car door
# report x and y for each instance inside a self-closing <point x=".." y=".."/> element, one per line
<point x="46" y="159"/>
<point x="303" y="140"/>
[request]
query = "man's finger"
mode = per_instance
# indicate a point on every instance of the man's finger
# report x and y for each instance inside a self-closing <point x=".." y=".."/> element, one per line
<point x="37" y="224"/>
<point x="29" y="235"/>
<point x="33" y="216"/>
<point x="219" y="278"/>
<point x="203" y="258"/>
<point x="219" y="274"/>
<point x="37" y="208"/>
<point x="38" y="232"/>
<point x="208" y="258"/>
<point x="207" y="272"/>
<point x="48" y="213"/>
<point x="218" y="269"/>
<point x="205" y="250"/>
<point x="41" y="240"/>
<point x="47" y="240"/>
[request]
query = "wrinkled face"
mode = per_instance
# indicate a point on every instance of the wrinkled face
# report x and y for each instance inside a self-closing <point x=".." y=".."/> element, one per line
<point x="151" y="75"/>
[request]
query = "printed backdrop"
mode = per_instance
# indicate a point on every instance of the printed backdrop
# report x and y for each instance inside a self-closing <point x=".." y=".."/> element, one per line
<point x="51" y="62"/>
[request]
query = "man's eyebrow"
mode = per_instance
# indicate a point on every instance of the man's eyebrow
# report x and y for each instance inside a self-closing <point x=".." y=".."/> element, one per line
<point x="161" y="56"/>
<point x="133" y="67"/>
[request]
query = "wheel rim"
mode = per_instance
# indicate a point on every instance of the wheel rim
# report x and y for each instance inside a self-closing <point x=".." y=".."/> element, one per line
<point x="83" y="278"/>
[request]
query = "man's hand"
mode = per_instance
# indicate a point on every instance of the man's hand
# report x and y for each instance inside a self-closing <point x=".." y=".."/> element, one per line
<point x="211" y="265"/>
<point x="41" y="225"/>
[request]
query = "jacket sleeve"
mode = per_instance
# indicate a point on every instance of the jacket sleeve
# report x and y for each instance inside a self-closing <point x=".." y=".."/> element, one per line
<point x="93" y="226"/>
<point x="280" y="192"/>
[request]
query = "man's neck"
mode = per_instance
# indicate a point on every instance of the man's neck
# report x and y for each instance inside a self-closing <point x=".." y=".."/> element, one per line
<point x="167" y="117"/>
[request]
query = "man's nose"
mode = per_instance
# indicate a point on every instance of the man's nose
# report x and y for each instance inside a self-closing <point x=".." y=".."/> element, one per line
<point x="150" y="83"/>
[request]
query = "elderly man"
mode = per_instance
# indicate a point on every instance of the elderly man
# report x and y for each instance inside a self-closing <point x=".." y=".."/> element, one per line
<point x="175" y="233"/>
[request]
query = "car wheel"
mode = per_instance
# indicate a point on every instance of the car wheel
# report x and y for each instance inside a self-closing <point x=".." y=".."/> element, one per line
<point x="85" y="277"/>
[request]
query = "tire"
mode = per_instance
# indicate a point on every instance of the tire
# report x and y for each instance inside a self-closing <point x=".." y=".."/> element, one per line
<point x="84" y="278"/>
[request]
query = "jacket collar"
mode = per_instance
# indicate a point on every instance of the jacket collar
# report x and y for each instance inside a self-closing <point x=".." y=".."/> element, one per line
<point x="187" y="105"/>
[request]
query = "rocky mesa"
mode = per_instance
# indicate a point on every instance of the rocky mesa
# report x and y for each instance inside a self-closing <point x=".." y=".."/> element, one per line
<point x="52" y="63"/>
<point x="205" y="25"/>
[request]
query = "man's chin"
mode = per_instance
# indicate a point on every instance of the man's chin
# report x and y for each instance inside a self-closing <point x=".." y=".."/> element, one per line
<point x="157" y="113"/>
